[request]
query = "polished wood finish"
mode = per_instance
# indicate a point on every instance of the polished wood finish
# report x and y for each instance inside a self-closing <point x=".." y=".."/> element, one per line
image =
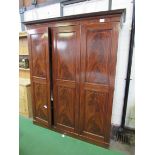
<point x="96" y="59"/>
<point x="82" y="65"/>
<point x="66" y="42"/>
<point x="40" y="74"/>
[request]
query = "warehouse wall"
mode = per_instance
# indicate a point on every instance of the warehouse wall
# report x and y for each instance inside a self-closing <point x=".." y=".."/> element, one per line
<point x="85" y="7"/>
<point x="43" y="12"/>
<point x="122" y="61"/>
<point x="130" y="116"/>
<point x="123" y="49"/>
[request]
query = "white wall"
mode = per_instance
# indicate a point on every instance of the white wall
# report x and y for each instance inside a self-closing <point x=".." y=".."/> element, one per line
<point x="130" y="115"/>
<point x="43" y="12"/>
<point x="19" y="21"/>
<point x="122" y="59"/>
<point x="123" y="48"/>
<point x="85" y="7"/>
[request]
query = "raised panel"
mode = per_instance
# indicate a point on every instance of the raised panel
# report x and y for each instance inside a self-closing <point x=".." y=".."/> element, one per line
<point x="38" y="55"/>
<point x="66" y="107"/>
<point x="40" y="99"/>
<point x="95" y="113"/>
<point x="66" y="60"/>
<point x="98" y="44"/>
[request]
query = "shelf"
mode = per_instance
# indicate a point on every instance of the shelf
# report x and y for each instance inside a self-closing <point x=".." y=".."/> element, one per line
<point x="22" y="34"/>
<point x="23" y="54"/>
<point x="24" y="82"/>
<point x="26" y="69"/>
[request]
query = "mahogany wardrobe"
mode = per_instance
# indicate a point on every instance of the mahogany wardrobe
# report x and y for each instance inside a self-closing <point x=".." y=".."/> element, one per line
<point x="72" y="66"/>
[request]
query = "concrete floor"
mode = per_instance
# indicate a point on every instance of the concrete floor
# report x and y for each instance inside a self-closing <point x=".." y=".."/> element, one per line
<point x="127" y="149"/>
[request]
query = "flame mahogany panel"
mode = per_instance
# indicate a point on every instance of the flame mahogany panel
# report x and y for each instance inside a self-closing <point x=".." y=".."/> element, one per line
<point x="38" y="56"/>
<point x="40" y="75"/>
<point x="97" y="43"/>
<point x="66" y="51"/>
<point x="95" y="83"/>
<point x="66" y="107"/>
<point x="40" y="98"/>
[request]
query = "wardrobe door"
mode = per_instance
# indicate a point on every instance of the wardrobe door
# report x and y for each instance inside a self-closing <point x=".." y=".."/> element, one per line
<point x="98" y="61"/>
<point x="40" y="75"/>
<point x="66" y="51"/>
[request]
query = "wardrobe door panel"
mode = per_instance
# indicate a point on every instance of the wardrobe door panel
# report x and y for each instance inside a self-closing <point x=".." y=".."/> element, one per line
<point x="97" y="44"/>
<point x="38" y="55"/>
<point x="95" y="112"/>
<point x="38" y="40"/>
<point x="66" y="55"/>
<point x="40" y="98"/>
<point x="66" y="48"/>
<point x="66" y="107"/>
<point x="98" y="59"/>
